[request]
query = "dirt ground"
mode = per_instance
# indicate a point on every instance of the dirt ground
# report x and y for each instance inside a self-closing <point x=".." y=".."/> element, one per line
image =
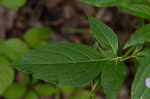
<point x="67" y="18"/>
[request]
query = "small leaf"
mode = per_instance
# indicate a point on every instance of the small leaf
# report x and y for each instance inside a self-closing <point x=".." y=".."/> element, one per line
<point x="139" y="89"/>
<point x="44" y="90"/>
<point x="15" y="91"/>
<point x="62" y="63"/>
<point x="13" y="48"/>
<point x="35" y="36"/>
<point x="12" y="3"/>
<point x="31" y="95"/>
<point x="139" y="10"/>
<point x="81" y="95"/>
<point x="104" y="35"/>
<point x="113" y="75"/>
<point x="6" y="75"/>
<point x="141" y="36"/>
<point x="68" y="89"/>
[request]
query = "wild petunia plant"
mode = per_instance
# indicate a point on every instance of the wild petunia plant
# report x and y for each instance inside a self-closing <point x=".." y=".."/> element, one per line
<point x="69" y="64"/>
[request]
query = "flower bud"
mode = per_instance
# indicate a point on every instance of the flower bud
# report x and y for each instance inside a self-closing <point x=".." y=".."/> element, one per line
<point x="147" y="82"/>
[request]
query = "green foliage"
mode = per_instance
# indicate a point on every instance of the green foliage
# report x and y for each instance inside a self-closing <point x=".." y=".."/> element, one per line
<point x="15" y="91"/>
<point x="139" y="89"/>
<point x="44" y="90"/>
<point x="6" y="75"/>
<point x="68" y="64"/>
<point x="112" y="78"/>
<point x="68" y="89"/>
<point x="13" y="4"/>
<point x="103" y="3"/>
<point x="62" y="63"/>
<point x="141" y="36"/>
<point x="139" y="10"/>
<point x="26" y="79"/>
<point x="35" y="36"/>
<point x="81" y="95"/>
<point x="31" y="95"/>
<point x="135" y="7"/>
<point x="104" y="35"/>
<point x="13" y="48"/>
<point x="110" y="3"/>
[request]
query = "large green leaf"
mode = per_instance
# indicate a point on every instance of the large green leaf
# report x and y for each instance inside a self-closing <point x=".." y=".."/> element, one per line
<point x="139" y="89"/>
<point x="12" y="3"/>
<point x="62" y="63"/>
<point x="104" y="35"/>
<point x="139" y="10"/>
<point x="6" y="75"/>
<point x="36" y="36"/>
<point x="141" y="36"/>
<point x="15" y="91"/>
<point x="13" y="48"/>
<point x="113" y="75"/>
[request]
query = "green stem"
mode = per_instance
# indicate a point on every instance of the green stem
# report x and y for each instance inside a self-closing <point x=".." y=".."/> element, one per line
<point x="128" y="57"/>
<point x="95" y="87"/>
<point x="57" y="92"/>
<point x="134" y="55"/>
<point x="128" y="52"/>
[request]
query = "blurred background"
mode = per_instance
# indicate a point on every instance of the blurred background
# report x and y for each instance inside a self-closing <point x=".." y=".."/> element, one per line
<point x="65" y="20"/>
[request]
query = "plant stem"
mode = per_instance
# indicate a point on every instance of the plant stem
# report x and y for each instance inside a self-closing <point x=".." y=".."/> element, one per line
<point x="57" y="92"/>
<point x="128" y="52"/>
<point x="95" y="87"/>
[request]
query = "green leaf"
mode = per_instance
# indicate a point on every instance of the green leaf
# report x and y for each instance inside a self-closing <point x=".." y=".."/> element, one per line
<point x="31" y="95"/>
<point x="35" y="36"/>
<point x="113" y="75"/>
<point x="105" y="3"/>
<point x="44" y="90"/>
<point x="13" y="48"/>
<point x="6" y="75"/>
<point x="62" y="63"/>
<point x="139" y="90"/>
<point x="138" y="1"/>
<point x="68" y="89"/>
<point x="12" y="3"/>
<point x="15" y="91"/>
<point x="104" y="35"/>
<point x="141" y="36"/>
<point x="81" y="95"/>
<point x="139" y="10"/>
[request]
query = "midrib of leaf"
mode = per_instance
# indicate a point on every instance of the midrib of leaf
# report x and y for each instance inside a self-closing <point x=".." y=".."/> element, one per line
<point x="72" y="61"/>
